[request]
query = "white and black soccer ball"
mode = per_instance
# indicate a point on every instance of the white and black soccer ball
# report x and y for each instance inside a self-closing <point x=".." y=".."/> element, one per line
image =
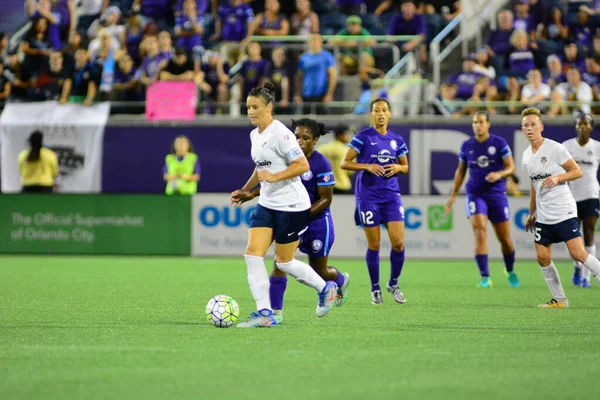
<point x="222" y="311"/>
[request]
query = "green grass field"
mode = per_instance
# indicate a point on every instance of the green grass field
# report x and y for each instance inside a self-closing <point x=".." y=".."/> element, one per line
<point x="134" y="328"/>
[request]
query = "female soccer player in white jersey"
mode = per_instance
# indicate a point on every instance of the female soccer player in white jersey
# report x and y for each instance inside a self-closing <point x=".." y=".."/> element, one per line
<point x="586" y="152"/>
<point x="283" y="210"/>
<point x="552" y="209"/>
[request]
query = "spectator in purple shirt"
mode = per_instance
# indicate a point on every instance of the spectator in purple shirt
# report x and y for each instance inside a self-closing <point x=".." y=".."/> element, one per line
<point x="232" y="25"/>
<point x="255" y="70"/>
<point x="582" y="31"/>
<point x="126" y="80"/>
<point x="199" y="5"/>
<point x="159" y="10"/>
<point x="521" y="59"/>
<point x="189" y="26"/>
<point x="593" y="12"/>
<point x="555" y="74"/>
<point x="591" y="76"/>
<point x="409" y="22"/>
<point x="271" y="22"/>
<point x="572" y="56"/>
<point x="498" y="41"/>
<point x="539" y="10"/>
<point x="466" y="79"/>
<point x="153" y="63"/>
<point x="555" y="26"/>
<point x="165" y="45"/>
<point x="523" y="20"/>
<point x="215" y="76"/>
<point x="351" y="7"/>
<point x="43" y="9"/>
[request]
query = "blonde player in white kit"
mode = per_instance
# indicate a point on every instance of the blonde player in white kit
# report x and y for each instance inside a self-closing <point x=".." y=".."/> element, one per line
<point x="585" y="190"/>
<point x="283" y="209"/>
<point x="552" y="209"/>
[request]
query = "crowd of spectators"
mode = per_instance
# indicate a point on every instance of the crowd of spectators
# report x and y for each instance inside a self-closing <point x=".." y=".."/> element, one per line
<point x="542" y="54"/>
<point x="95" y="50"/>
<point x="99" y="50"/>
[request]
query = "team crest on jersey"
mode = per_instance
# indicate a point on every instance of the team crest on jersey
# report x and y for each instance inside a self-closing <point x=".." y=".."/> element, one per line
<point x="317" y="245"/>
<point x="264" y="144"/>
<point x="394" y="145"/>
<point x="307" y="176"/>
<point x="544" y="160"/>
<point x="492" y="150"/>
<point x="590" y="153"/>
<point x="286" y="137"/>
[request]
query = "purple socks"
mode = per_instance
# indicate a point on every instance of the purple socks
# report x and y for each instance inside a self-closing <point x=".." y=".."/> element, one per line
<point x="397" y="262"/>
<point x="482" y="263"/>
<point x="373" y="265"/>
<point x="509" y="261"/>
<point x="276" y="291"/>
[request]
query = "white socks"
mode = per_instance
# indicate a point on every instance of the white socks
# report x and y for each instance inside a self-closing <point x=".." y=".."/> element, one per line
<point x="258" y="281"/>
<point x="303" y="274"/>
<point x="592" y="265"/>
<point x="586" y="272"/>
<point x="553" y="281"/>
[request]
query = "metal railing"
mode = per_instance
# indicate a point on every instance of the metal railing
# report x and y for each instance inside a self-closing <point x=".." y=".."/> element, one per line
<point x="462" y="38"/>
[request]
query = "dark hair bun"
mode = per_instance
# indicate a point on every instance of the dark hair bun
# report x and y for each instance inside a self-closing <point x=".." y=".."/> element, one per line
<point x="270" y="87"/>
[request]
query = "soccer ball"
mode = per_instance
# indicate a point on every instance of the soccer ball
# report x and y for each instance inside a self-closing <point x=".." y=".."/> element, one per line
<point x="222" y="311"/>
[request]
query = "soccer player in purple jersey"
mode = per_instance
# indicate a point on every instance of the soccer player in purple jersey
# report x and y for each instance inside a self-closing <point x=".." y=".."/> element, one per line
<point x="489" y="160"/>
<point x="317" y="240"/>
<point x="380" y="155"/>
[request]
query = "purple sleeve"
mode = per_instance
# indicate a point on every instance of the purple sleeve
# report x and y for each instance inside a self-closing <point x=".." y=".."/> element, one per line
<point x="324" y="174"/>
<point x="402" y="148"/>
<point x="504" y="148"/>
<point x="421" y="26"/>
<point x="461" y="155"/>
<point x="266" y="68"/>
<point x="179" y="21"/>
<point x="197" y="168"/>
<point x="357" y="143"/>
<point x="392" y="28"/>
<point x="452" y="78"/>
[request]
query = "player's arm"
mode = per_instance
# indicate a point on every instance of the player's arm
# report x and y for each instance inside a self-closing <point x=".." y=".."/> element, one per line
<point x="350" y="165"/>
<point x="459" y="178"/>
<point x="530" y="224"/>
<point x="572" y="172"/>
<point x="324" y="201"/>
<point x="509" y="166"/>
<point x="297" y="162"/>
<point x="247" y="192"/>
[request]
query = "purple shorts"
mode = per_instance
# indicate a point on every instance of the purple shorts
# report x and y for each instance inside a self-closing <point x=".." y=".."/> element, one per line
<point x="494" y="206"/>
<point x="375" y="214"/>
<point x="318" y="238"/>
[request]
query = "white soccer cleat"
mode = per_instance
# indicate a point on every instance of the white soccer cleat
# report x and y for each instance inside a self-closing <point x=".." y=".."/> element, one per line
<point x="398" y="295"/>
<point x="326" y="298"/>
<point x="261" y="319"/>
<point x="376" y="297"/>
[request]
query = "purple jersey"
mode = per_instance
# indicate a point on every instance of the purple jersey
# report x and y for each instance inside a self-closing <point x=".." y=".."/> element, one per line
<point x="151" y="66"/>
<point x="521" y="61"/>
<point x="320" y="174"/>
<point x="375" y="148"/>
<point x="253" y="72"/>
<point x="481" y="159"/>
<point x="201" y="6"/>
<point x="189" y="42"/>
<point x="235" y="21"/>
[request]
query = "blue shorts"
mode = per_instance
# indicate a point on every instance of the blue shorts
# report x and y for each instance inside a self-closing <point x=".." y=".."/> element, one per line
<point x="562" y="232"/>
<point x="375" y="214"/>
<point x="588" y="208"/>
<point x="286" y="225"/>
<point x="318" y="239"/>
<point x="494" y="206"/>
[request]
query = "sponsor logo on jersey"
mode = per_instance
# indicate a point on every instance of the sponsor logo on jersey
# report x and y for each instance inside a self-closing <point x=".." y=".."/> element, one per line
<point x="539" y="177"/>
<point x="585" y="162"/>
<point x="544" y="160"/>
<point x="262" y="164"/>
<point x="383" y="156"/>
<point x="483" y="161"/>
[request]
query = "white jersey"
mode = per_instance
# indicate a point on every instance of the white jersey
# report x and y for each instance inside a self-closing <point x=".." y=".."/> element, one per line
<point x="588" y="158"/>
<point x="274" y="150"/>
<point x="556" y="204"/>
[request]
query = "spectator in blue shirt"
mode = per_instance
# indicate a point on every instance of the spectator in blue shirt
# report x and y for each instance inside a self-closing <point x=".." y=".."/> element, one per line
<point x="316" y="78"/>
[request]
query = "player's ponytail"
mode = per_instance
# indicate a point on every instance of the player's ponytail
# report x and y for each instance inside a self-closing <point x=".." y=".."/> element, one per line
<point x="322" y="129"/>
<point x="266" y="92"/>
<point x="35" y="142"/>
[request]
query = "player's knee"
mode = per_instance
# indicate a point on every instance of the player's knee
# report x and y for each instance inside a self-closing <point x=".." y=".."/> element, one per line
<point x="374" y="246"/>
<point x="397" y="244"/>
<point x="579" y="254"/>
<point x="480" y="232"/>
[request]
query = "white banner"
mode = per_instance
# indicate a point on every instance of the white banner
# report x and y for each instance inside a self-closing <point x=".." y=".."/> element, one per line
<point x="74" y="132"/>
<point x="221" y="230"/>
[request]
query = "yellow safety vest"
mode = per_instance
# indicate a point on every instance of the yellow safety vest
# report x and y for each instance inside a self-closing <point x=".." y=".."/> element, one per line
<point x="183" y="167"/>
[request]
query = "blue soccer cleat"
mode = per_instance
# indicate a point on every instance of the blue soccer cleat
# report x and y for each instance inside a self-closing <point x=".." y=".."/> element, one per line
<point x="577" y="276"/>
<point x="261" y="319"/>
<point x="485" y="283"/>
<point x="326" y="298"/>
<point x="513" y="280"/>
<point x="585" y="283"/>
